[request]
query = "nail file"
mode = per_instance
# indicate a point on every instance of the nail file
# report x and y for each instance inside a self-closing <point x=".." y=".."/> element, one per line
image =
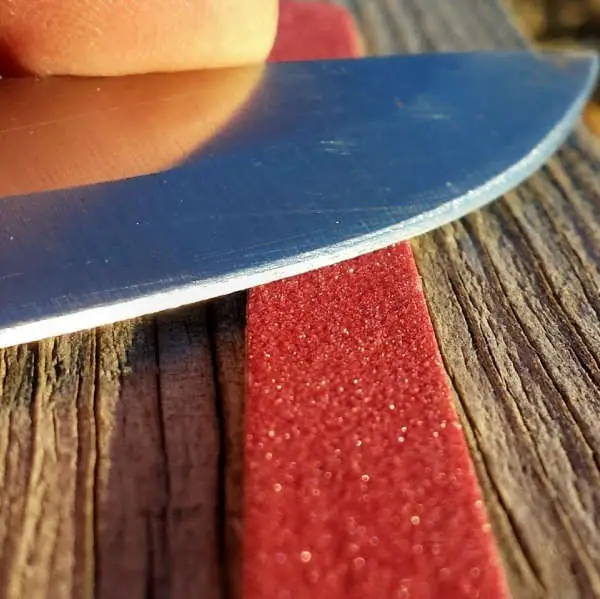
<point x="358" y="480"/>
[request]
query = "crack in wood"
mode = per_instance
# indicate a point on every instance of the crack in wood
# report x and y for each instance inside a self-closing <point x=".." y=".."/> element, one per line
<point x="491" y="485"/>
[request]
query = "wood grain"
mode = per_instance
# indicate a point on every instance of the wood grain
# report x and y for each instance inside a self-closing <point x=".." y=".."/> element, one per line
<point x="592" y="118"/>
<point x="109" y="456"/>
<point x="120" y="449"/>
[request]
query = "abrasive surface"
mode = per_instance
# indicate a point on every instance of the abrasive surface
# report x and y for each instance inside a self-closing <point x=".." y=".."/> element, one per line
<point x="358" y="481"/>
<point x="309" y="31"/>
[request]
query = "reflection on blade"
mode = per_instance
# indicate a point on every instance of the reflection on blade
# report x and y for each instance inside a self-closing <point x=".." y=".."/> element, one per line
<point x="317" y="162"/>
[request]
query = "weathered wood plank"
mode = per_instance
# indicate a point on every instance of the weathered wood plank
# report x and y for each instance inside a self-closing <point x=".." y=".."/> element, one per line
<point x="109" y="451"/>
<point x="47" y="457"/>
<point x="157" y="464"/>
<point x="228" y="335"/>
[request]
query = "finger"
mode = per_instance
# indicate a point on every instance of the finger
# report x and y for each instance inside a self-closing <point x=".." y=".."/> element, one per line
<point x="65" y="132"/>
<point x="116" y="37"/>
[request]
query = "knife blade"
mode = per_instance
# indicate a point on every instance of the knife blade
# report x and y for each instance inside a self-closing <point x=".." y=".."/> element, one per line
<point x="137" y="195"/>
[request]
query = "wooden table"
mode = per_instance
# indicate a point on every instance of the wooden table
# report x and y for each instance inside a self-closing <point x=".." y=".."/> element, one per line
<point x="120" y="448"/>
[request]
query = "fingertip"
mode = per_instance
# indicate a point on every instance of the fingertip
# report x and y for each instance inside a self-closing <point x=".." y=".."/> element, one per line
<point x="117" y="37"/>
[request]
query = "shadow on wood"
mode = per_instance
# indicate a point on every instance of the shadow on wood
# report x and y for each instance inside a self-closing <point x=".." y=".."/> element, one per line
<point x="113" y="447"/>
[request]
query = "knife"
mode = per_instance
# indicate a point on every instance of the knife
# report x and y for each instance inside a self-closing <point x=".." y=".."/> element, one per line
<point x="127" y="196"/>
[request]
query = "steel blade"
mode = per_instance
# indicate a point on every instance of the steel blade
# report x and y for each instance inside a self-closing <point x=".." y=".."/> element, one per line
<point x="319" y="162"/>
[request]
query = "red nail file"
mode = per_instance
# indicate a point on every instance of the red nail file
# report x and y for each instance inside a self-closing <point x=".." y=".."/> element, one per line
<point x="358" y="480"/>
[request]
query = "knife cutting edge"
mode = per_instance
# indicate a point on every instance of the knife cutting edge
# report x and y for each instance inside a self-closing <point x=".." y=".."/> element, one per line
<point x="135" y="195"/>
